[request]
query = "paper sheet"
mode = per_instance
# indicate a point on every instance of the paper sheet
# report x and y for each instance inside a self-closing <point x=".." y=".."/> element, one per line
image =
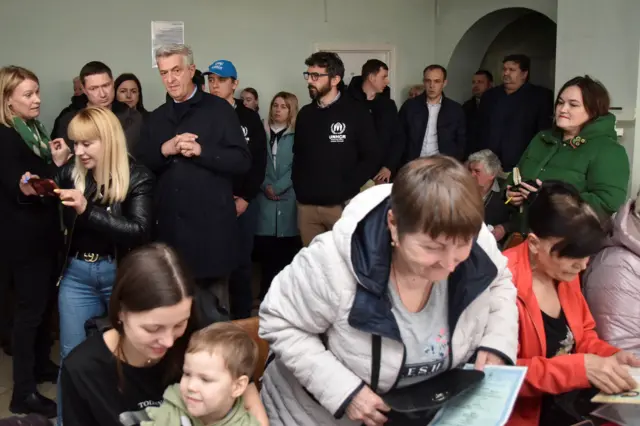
<point x="620" y="414"/>
<point x="489" y="403"/>
<point x="165" y="32"/>
<point x="630" y="397"/>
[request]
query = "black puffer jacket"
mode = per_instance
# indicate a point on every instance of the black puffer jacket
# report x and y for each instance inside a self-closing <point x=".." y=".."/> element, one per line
<point x="127" y="224"/>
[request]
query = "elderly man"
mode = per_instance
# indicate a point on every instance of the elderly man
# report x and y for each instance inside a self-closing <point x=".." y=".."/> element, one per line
<point x="486" y="169"/>
<point x="194" y="144"/>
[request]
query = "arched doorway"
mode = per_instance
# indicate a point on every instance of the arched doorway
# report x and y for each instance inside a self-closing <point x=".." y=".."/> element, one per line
<point x="489" y="39"/>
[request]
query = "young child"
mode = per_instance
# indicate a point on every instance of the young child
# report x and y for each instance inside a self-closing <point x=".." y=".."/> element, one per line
<point x="217" y="366"/>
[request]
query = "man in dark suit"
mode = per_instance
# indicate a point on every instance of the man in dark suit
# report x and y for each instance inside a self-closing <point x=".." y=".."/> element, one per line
<point x="481" y="82"/>
<point x="513" y="113"/>
<point x="195" y="146"/>
<point x="432" y="123"/>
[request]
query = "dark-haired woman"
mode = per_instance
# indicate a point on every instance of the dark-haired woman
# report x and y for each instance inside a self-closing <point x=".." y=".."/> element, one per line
<point x="110" y="378"/>
<point x="557" y="338"/>
<point x="129" y="91"/>
<point x="582" y="149"/>
<point x="250" y="99"/>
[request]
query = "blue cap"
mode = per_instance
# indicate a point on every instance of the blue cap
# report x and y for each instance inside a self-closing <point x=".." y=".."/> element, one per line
<point x="223" y="69"/>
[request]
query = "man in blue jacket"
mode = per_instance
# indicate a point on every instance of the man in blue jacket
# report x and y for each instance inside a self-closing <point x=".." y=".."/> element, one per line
<point x="432" y="123"/>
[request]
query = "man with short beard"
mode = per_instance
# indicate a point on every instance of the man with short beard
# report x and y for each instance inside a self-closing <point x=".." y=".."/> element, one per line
<point x="335" y="149"/>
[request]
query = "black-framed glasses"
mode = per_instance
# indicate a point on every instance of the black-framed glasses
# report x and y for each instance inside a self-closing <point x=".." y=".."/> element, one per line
<point x="313" y="75"/>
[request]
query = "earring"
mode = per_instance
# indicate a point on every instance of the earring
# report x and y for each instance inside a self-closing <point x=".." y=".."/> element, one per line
<point x="393" y="243"/>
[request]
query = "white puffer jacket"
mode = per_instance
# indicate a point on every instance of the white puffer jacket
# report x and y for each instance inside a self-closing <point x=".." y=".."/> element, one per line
<point x="322" y="310"/>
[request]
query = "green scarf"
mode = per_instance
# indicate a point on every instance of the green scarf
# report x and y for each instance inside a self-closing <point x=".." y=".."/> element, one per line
<point x="35" y="136"/>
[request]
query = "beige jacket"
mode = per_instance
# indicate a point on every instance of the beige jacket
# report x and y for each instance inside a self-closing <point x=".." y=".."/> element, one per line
<point x="336" y="288"/>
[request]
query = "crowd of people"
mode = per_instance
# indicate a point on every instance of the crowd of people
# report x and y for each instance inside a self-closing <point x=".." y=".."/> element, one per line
<point x="378" y="232"/>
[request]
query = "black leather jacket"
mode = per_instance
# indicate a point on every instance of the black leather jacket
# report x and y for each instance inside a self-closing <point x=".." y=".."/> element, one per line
<point x="128" y="224"/>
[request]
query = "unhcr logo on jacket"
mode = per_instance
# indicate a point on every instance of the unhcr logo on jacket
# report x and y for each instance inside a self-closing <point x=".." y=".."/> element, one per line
<point x="337" y="132"/>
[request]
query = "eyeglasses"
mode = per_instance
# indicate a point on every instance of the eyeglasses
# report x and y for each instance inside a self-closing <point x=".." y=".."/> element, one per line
<point x="313" y="75"/>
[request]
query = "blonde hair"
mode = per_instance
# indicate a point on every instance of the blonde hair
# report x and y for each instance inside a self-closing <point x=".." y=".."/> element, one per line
<point x="229" y="341"/>
<point x="10" y="78"/>
<point x="292" y="103"/>
<point x="113" y="174"/>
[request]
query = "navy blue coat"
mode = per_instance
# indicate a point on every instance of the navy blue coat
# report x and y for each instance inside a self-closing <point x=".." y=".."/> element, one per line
<point x="414" y="116"/>
<point x="194" y="207"/>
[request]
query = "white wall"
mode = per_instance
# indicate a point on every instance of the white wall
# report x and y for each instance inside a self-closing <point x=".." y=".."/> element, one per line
<point x="267" y="40"/>
<point x="603" y="39"/>
<point x="478" y="22"/>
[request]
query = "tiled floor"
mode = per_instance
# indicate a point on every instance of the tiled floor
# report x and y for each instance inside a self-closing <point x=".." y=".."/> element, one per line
<point x="47" y="389"/>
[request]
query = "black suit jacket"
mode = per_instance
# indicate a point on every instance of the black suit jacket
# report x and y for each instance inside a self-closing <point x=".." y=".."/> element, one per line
<point x="507" y="123"/>
<point x="451" y="127"/>
<point x="470" y="108"/>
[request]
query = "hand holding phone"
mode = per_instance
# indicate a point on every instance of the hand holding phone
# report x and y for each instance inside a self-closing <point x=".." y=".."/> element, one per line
<point x="25" y="185"/>
<point x="43" y="187"/>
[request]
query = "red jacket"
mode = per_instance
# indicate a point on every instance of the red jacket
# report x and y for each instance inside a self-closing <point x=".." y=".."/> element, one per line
<point x="562" y="373"/>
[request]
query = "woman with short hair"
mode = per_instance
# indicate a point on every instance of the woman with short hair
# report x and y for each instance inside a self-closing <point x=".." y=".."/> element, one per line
<point x="581" y="149"/>
<point x="408" y="272"/>
<point x="558" y="342"/>
<point x="31" y="236"/>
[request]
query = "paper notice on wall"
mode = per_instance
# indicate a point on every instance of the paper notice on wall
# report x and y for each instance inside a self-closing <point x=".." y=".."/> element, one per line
<point x="165" y="32"/>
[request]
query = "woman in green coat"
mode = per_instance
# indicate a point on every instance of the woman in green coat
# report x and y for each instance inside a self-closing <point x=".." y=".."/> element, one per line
<point x="277" y="237"/>
<point x="582" y="149"/>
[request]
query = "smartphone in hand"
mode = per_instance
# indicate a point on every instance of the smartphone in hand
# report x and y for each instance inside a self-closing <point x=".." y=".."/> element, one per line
<point x="44" y="187"/>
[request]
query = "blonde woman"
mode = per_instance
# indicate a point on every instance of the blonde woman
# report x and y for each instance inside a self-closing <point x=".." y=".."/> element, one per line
<point x="30" y="236"/>
<point x="277" y="237"/>
<point x="108" y="202"/>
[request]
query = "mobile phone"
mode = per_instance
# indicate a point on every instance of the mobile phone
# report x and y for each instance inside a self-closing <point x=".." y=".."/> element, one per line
<point x="44" y="187"/>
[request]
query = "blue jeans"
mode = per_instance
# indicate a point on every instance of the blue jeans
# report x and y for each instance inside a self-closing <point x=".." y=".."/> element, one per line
<point x="85" y="290"/>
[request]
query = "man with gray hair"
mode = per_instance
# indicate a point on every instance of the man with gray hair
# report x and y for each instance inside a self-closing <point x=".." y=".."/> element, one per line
<point x="486" y="169"/>
<point x="195" y="145"/>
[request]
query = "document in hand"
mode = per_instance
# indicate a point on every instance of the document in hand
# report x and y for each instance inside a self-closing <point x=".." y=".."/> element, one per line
<point x="487" y="404"/>
<point x="629" y="397"/>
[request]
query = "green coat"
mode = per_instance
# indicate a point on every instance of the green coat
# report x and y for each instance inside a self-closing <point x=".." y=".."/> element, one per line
<point x="594" y="162"/>
<point x="278" y="218"/>
<point x="173" y="411"/>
